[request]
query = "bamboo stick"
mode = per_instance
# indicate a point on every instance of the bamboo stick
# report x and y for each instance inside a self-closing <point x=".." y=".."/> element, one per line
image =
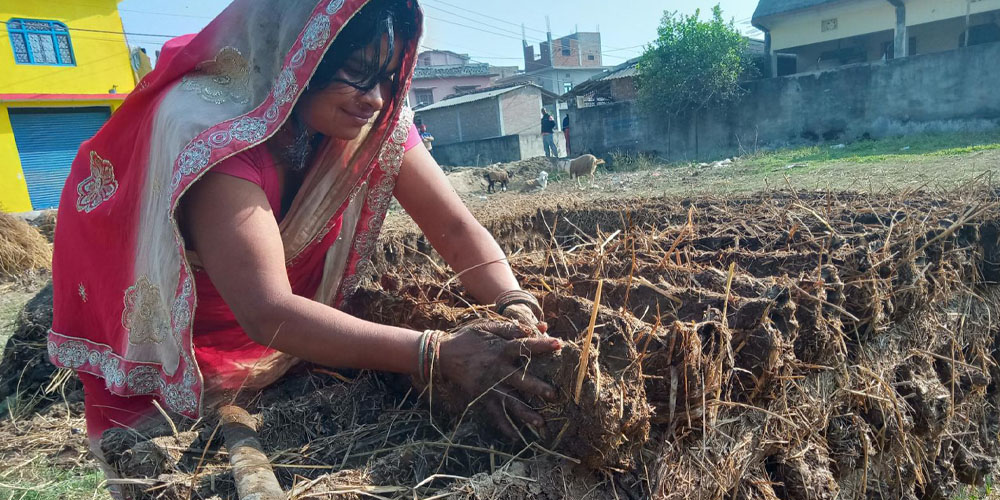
<point x="251" y="469"/>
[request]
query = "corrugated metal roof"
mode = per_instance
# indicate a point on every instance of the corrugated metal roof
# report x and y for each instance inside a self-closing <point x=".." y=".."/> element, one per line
<point x="454" y="101"/>
<point x="627" y="69"/>
<point x="771" y="7"/>
<point x="626" y="72"/>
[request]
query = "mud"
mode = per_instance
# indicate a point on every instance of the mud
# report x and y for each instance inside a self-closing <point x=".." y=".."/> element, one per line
<point x="788" y="345"/>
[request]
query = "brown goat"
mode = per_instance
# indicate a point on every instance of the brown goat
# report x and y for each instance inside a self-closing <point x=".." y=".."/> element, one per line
<point x="584" y="165"/>
<point x="497" y="176"/>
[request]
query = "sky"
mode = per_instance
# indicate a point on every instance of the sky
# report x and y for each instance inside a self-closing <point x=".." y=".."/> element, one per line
<point x="487" y="31"/>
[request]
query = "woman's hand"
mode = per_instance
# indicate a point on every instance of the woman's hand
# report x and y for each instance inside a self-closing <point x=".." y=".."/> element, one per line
<point x="525" y="316"/>
<point x="478" y="361"/>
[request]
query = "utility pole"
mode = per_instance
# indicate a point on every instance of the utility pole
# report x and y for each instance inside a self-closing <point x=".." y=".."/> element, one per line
<point x="968" y="14"/>
<point x="554" y="80"/>
<point x="555" y="72"/>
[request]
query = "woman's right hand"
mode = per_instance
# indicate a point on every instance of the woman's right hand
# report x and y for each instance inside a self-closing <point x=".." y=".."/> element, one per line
<point x="479" y="361"/>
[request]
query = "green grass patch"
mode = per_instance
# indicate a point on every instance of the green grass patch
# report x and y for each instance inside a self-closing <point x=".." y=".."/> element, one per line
<point x="986" y="492"/>
<point x="877" y="151"/>
<point x="45" y="481"/>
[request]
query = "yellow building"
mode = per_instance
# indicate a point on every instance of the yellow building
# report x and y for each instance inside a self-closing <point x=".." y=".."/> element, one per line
<point x="64" y="68"/>
<point x="810" y="35"/>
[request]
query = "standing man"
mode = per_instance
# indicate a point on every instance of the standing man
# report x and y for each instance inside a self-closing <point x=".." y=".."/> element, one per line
<point x="565" y="127"/>
<point x="548" y="128"/>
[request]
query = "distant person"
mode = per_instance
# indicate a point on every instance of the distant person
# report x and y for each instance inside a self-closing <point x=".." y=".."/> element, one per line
<point x="425" y="136"/>
<point x="548" y="128"/>
<point x="565" y="127"/>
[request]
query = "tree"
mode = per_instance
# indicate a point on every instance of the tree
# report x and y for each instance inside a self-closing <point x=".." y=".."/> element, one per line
<point x="692" y="65"/>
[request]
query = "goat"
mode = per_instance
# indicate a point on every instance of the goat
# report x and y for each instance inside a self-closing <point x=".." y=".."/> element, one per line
<point x="543" y="180"/>
<point x="539" y="183"/>
<point x="584" y="165"/>
<point x="497" y="176"/>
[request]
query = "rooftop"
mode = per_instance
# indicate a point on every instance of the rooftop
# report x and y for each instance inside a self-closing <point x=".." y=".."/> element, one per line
<point x="454" y="70"/>
<point x="627" y="69"/>
<point x="481" y="94"/>
<point x="466" y="98"/>
<point x="773" y="7"/>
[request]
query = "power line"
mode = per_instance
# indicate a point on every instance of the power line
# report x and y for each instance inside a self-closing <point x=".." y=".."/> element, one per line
<point x="86" y="30"/>
<point x="503" y="30"/>
<point x="164" y="14"/>
<point x="625" y="48"/>
<point x="123" y="33"/>
<point x="497" y="19"/>
<point x="481" y="55"/>
<point x="481" y="30"/>
<point x="488" y="16"/>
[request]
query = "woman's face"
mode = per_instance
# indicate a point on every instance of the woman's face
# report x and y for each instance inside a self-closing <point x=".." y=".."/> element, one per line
<point x="342" y="111"/>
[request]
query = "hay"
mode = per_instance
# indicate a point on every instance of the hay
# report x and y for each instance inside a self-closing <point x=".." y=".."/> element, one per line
<point x="790" y="345"/>
<point x="46" y="224"/>
<point x="22" y="248"/>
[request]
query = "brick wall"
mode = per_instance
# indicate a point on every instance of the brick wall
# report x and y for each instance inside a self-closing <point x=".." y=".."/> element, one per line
<point x="576" y="50"/>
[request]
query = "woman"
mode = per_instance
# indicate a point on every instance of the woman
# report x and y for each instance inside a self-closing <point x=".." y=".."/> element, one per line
<point x="248" y="175"/>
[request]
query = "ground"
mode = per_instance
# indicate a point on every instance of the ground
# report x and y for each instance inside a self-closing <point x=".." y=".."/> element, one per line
<point x="37" y="468"/>
<point x="928" y="161"/>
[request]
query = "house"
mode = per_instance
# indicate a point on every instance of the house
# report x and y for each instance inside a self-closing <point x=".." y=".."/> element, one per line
<point x="488" y="125"/>
<point x="441" y="73"/>
<point x="618" y="84"/>
<point x="810" y="35"/>
<point x="64" y="68"/>
<point x="561" y="64"/>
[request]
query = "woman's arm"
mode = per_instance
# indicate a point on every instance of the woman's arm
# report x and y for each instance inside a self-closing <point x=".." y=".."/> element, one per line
<point x="236" y="237"/>
<point x="425" y="193"/>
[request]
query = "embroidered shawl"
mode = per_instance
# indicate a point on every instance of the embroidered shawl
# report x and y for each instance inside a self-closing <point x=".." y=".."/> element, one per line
<point x="124" y="296"/>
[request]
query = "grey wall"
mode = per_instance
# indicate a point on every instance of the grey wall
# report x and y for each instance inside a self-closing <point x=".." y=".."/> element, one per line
<point x="479" y="153"/>
<point x="466" y="122"/>
<point x="949" y="91"/>
<point x="522" y="111"/>
<point x="489" y="151"/>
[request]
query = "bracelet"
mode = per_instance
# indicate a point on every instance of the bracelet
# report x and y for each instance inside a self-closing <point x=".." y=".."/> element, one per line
<point x="511" y="297"/>
<point x="428" y="354"/>
<point x="435" y="353"/>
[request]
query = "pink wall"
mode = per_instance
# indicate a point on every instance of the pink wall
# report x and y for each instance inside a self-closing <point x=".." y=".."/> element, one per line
<point x="443" y="87"/>
<point x="440" y="58"/>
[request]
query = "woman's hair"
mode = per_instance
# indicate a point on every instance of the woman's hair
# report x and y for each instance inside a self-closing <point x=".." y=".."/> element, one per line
<point x="394" y="20"/>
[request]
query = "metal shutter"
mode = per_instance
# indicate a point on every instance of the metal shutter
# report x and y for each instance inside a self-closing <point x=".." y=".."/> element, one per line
<point x="47" y="141"/>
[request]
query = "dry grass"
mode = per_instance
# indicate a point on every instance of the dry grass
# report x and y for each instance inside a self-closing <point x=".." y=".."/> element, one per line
<point x="790" y="345"/>
<point x="22" y="248"/>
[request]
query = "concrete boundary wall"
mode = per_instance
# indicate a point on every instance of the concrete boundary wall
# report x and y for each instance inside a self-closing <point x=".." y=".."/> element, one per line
<point x="943" y="92"/>
<point x="479" y="153"/>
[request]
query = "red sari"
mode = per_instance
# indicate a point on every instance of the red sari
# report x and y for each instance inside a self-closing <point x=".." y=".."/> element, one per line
<point x="132" y="315"/>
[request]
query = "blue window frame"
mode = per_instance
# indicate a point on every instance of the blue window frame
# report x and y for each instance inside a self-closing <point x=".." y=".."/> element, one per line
<point x="40" y="42"/>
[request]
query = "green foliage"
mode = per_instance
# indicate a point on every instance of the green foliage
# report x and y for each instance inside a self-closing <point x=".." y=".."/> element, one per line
<point x="693" y="64"/>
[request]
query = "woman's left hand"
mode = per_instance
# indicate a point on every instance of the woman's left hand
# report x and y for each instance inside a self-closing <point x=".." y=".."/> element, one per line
<point x="524" y="315"/>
